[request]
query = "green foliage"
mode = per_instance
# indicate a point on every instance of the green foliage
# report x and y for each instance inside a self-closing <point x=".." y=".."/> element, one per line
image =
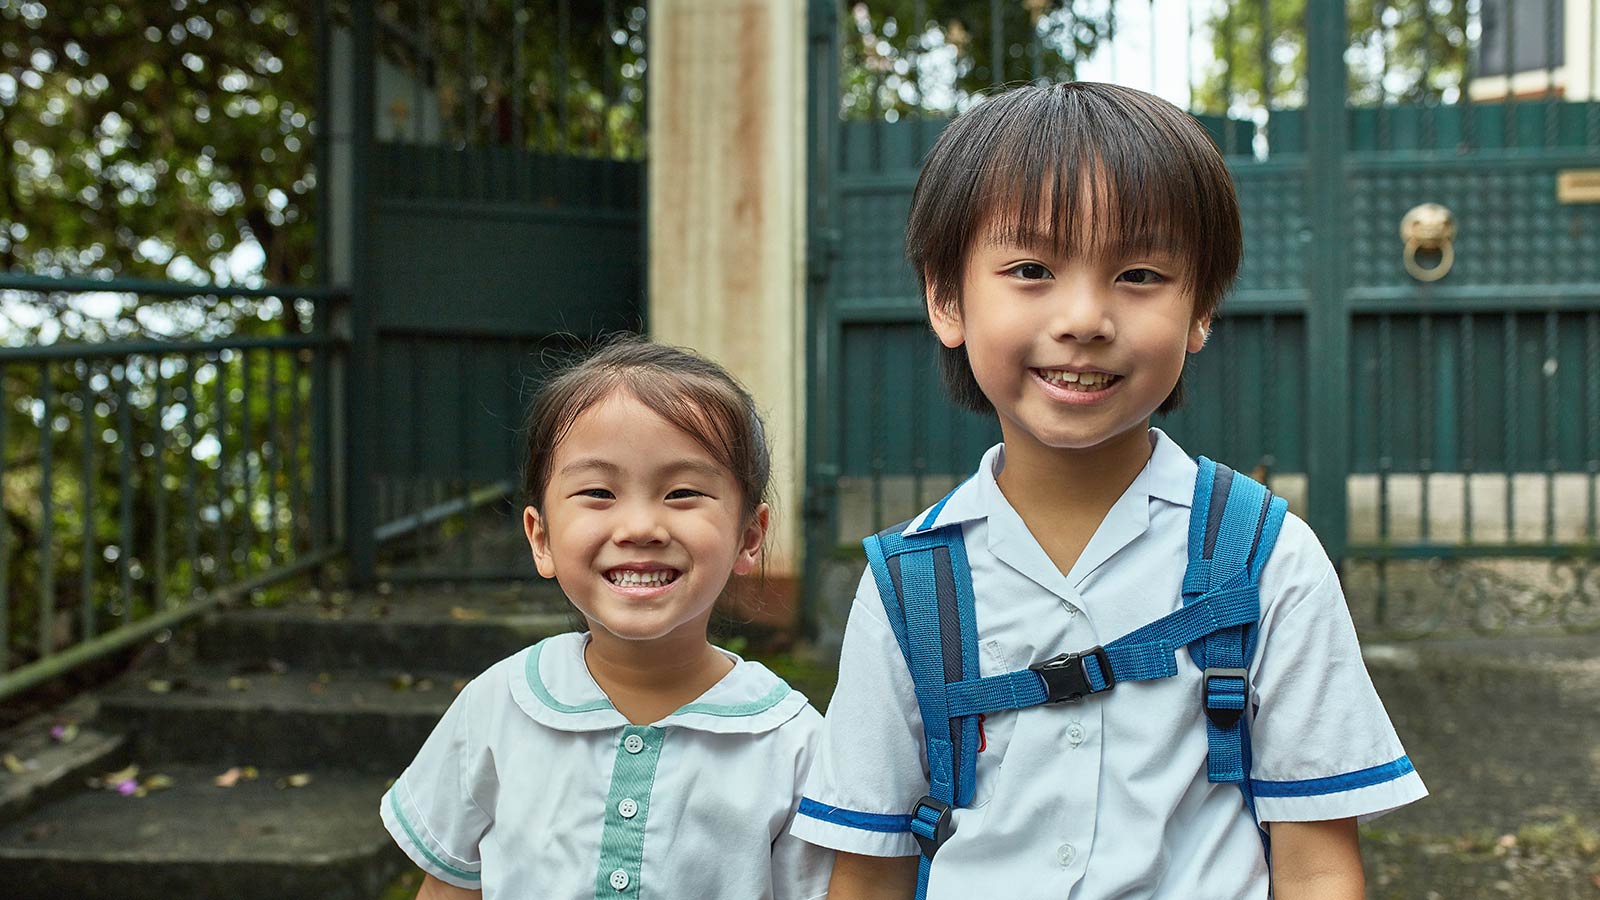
<point x="1415" y="51"/>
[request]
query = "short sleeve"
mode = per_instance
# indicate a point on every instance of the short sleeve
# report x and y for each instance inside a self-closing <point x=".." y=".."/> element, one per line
<point x="1322" y="743"/>
<point x="800" y="870"/>
<point x="432" y="811"/>
<point x="870" y="768"/>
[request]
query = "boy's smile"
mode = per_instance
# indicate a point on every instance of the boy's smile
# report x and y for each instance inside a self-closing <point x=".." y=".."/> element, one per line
<point x="1073" y="352"/>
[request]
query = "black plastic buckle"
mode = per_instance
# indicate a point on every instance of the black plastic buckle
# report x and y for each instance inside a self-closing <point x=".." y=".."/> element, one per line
<point x="1221" y="716"/>
<point x="941" y="825"/>
<point x="1067" y="679"/>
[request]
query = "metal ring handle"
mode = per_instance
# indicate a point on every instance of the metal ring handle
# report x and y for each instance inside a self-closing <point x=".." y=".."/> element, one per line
<point x="1447" y="258"/>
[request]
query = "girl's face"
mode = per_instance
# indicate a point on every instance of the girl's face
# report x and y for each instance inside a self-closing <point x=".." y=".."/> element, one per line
<point x="641" y="526"/>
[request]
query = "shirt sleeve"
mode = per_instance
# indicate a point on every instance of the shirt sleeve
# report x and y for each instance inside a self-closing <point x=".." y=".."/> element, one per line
<point x="431" y="810"/>
<point x="800" y="869"/>
<point x="1323" y="746"/>
<point x="870" y="767"/>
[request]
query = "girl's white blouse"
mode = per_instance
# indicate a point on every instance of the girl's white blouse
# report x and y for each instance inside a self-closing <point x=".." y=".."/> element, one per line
<point x="534" y="785"/>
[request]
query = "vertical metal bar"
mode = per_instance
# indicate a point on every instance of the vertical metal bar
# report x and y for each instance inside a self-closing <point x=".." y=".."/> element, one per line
<point x="158" y="467"/>
<point x="920" y="372"/>
<point x="191" y="477"/>
<point x="1510" y="106"/>
<point x="1269" y="384"/>
<point x="5" y="537"/>
<point x="519" y="68"/>
<point x="126" y="438"/>
<point x="322" y="155"/>
<point x="1592" y="432"/>
<point x="1327" y="318"/>
<point x="464" y="407"/>
<point x="1384" y="431"/>
<point x="1265" y="50"/>
<point x="563" y="46"/>
<point x="1469" y="424"/>
<point x="1230" y="375"/>
<point x="880" y="335"/>
<point x="1552" y="36"/>
<point x="248" y="453"/>
<point x="1385" y="124"/>
<point x="1511" y="423"/>
<point x="1229" y="139"/>
<point x="320" y="502"/>
<point x="86" y="616"/>
<point x="47" y="518"/>
<point x="423" y="76"/>
<point x="413" y="481"/>
<point x="1425" y="433"/>
<point x="357" y="420"/>
<point x="1551" y="415"/>
<point x="293" y="452"/>
<point x="224" y="569"/>
<point x="919" y="15"/>
<point x="273" y="464"/>
<point x="1469" y="119"/>
<point x="1591" y="110"/>
<point x="997" y="43"/>
<point x="1425" y="85"/>
<point x="469" y="69"/>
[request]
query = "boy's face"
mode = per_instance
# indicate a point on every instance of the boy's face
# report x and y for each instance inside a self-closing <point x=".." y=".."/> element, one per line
<point x="1072" y="352"/>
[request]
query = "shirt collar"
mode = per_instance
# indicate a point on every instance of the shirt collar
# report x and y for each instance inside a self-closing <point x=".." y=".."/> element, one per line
<point x="551" y="683"/>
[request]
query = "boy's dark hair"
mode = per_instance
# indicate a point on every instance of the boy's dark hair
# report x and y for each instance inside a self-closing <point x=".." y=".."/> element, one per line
<point x="686" y="389"/>
<point x="1031" y="158"/>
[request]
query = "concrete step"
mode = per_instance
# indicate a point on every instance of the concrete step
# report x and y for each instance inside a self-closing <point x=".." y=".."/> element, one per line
<point x="373" y="721"/>
<point x="440" y="630"/>
<point x="194" y="839"/>
<point x="48" y="754"/>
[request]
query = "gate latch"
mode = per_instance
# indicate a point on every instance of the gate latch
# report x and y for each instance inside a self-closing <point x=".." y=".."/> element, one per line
<point x="1429" y="228"/>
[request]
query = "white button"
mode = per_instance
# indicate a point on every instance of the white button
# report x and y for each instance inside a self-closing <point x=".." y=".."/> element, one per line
<point x="633" y="744"/>
<point x="1075" y="733"/>
<point x="1064" y="854"/>
<point x="628" y="808"/>
<point x="619" y="880"/>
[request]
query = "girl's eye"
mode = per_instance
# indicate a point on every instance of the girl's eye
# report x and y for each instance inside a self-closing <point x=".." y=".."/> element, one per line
<point x="596" y="493"/>
<point x="1031" y="272"/>
<point x="1141" y="277"/>
<point x="683" y="494"/>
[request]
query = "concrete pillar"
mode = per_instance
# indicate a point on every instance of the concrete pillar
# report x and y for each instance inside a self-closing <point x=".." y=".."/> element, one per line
<point x="727" y="84"/>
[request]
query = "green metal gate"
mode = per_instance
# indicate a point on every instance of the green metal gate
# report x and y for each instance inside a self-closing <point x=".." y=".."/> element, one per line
<point x="1442" y="436"/>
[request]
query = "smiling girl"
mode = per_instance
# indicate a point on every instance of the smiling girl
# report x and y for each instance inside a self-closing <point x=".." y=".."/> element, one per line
<point x="635" y="760"/>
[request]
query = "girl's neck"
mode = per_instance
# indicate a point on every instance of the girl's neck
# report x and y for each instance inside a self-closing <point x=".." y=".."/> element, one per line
<point x="649" y="680"/>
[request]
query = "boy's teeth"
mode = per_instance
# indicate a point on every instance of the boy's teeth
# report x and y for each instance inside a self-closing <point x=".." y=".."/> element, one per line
<point x="631" y="578"/>
<point x="1079" y="380"/>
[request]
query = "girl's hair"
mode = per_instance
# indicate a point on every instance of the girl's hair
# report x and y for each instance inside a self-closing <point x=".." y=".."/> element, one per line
<point x="1086" y="168"/>
<point x="686" y="389"/>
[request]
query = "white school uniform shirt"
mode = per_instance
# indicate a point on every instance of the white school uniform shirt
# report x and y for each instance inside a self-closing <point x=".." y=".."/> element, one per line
<point x="1108" y="796"/>
<point x="534" y="785"/>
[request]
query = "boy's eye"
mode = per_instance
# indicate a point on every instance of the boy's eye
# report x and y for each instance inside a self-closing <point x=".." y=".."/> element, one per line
<point x="1030" y="272"/>
<point x="683" y="494"/>
<point x="1141" y="276"/>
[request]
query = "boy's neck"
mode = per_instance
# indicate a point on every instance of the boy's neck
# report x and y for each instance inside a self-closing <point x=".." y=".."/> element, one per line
<point x="649" y="680"/>
<point x="1062" y="495"/>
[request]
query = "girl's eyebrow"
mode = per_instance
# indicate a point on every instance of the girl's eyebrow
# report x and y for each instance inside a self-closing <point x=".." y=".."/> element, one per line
<point x="590" y="464"/>
<point x="684" y="466"/>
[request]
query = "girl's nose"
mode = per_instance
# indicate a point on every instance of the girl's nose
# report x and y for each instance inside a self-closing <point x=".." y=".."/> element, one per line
<point x="1081" y="313"/>
<point x="638" y="524"/>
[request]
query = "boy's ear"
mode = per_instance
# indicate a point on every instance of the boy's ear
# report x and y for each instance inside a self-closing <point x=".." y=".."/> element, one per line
<point x="946" y="320"/>
<point x="751" y="541"/>
<point x="1199" y="332"/>
<point x="533" y="525"/>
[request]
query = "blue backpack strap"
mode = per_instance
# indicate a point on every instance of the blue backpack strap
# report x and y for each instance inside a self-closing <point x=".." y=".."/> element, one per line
<point x="1233" y="525"/>
<point x="925" y="584"/>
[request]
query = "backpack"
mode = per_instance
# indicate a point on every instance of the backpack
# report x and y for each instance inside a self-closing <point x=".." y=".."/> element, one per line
<point x="926" y="587"/>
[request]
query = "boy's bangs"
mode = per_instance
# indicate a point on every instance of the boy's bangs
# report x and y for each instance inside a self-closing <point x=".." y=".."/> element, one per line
<point x="1087" y="186"/>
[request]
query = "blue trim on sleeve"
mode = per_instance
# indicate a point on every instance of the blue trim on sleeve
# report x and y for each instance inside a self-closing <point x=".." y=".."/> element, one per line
<point x="864" y="821"/>
<point x="1333" y="784"/>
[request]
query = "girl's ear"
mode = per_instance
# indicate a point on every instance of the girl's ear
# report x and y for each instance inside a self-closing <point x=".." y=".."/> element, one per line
<point x="1199" y="332"/>
<point x="946" y="320"/>
<point x="533" y="525"/>
<point x="751" y="541"/>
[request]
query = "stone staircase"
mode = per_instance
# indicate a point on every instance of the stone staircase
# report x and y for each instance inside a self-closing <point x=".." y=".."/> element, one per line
<point x="309" y="708"/>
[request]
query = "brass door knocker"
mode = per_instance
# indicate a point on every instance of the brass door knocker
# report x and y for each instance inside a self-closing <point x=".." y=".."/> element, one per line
<point x="1429" y="227"/>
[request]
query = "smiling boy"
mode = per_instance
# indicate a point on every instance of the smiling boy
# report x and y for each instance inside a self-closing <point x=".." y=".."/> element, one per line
<point x="1073" y="243"/>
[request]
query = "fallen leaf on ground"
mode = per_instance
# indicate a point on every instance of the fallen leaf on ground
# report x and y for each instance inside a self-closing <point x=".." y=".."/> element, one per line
<point x="458" y="685"/>
<point x="13" y="765"/>
<point x="235" y="775"/>
<point x="297" y="780"/>
<point x="462" y="614"/>
<point x="238" y="684"/>
<point x="423" y="684"/>
<point x="402" y="681"/>
<point x="156" y="783"/>
<point x="64" y="734"/>
<point x="158" y="686"/>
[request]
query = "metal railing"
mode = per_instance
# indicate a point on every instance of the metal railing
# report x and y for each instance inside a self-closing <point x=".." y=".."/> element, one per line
<point x="162" y="468"/>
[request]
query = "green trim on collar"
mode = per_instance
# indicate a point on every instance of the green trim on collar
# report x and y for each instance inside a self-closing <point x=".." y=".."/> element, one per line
<point x="463" y="874"/>
<point x="633" y="777"/>
<point x="731" y="710"/>
<point x="536" y="684"/>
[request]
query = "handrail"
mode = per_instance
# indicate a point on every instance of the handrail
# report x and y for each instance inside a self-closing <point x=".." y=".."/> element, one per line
<point x="77" y="284"/>
<point x="113" y="349"/>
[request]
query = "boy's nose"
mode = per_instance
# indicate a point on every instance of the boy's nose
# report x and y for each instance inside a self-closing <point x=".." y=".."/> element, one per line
<point x="1082" y="314"/>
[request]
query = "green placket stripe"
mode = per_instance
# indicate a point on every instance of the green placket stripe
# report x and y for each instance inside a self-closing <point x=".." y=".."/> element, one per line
<point x="416" y="841"/>
<point x="536" y="684"/>
<point x="633" y="775"/>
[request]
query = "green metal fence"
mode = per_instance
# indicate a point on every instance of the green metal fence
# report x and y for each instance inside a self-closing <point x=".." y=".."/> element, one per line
<point x="153" y="475"/>
<point x="1435" y="433"/>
